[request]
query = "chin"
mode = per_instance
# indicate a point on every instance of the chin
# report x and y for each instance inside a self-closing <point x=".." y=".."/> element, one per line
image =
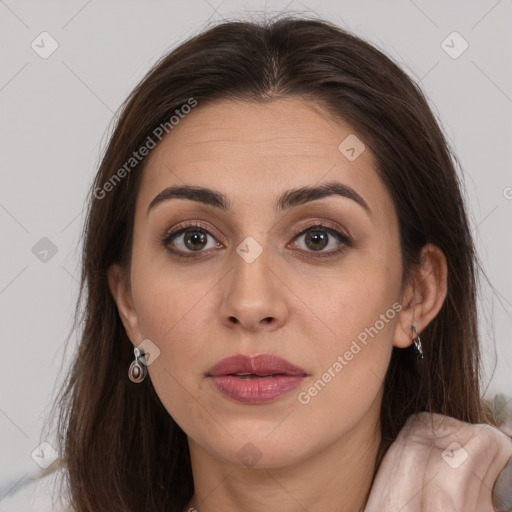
<point x="261" y="450"/>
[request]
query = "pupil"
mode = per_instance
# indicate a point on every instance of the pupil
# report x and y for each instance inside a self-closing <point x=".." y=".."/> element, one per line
<point x="316" y="237"/>
<point x="195" y="237"/>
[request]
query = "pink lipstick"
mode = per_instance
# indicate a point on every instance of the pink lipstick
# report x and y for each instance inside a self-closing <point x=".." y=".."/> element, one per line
<point x="255" y="379"/>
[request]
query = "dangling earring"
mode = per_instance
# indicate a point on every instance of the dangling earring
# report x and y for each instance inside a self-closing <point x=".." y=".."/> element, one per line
<point x="138" y="370"/>
<point x="417" y="343"/>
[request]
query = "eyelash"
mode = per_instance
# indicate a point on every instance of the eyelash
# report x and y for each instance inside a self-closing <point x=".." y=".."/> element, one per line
<point x="169" y="236"/>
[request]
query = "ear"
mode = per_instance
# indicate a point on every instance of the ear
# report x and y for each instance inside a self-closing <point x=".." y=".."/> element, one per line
<point x="423" y="296"/>
<point x="121" y="292"/>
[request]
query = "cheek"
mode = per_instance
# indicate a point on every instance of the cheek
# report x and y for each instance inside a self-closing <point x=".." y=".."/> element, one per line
<point x="353" y="353"/>
<point x="353" y="333"/>
<point x="351" y="364"/>
<point x="176" y="315"/>
<point x="176" y="321"/>
<point x="168" y="296"/>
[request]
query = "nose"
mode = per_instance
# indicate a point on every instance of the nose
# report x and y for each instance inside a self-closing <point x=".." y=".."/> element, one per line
<point x="254" y="296"/>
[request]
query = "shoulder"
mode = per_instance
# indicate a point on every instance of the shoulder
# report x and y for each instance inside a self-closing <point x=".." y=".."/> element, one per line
<point x="441" y="463"/>
<point x="41" y="494"/>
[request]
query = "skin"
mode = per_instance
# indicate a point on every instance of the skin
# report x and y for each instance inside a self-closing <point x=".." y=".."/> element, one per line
<point x="320" y="455"/>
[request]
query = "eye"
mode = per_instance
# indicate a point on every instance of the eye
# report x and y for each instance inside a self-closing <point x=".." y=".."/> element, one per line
<point x="192" y="238"/>
<point x="318" y="237"/>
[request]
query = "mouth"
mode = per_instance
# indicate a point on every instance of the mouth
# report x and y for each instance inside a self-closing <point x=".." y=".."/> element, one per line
<point x="255" y="379"/>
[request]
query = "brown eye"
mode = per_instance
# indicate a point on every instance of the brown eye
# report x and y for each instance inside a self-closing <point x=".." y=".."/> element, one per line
<point x="316" y="240"/>
<point x="187" y="240"/>
<point x="318" y="237"/>
<point x="194" y="240"/>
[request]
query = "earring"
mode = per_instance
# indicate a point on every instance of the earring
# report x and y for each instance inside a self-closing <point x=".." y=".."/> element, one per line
<point x="417" y="343"/>
<point x="138" y="371"/>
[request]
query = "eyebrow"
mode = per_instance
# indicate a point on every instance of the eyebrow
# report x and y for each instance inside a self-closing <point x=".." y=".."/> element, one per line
<point x="289" y="199"/>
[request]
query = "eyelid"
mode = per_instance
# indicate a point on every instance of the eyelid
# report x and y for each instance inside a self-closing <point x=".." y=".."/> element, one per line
<point x="186" y="225"/>
<point x="325" y="224"/>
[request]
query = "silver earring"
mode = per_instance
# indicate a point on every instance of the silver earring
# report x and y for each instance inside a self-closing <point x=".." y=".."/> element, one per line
<point x="417" y="343"/>
<point x="138" y="371"/>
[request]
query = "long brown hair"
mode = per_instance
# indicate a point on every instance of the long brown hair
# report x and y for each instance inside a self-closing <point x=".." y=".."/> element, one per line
<point x="121" y="448"/>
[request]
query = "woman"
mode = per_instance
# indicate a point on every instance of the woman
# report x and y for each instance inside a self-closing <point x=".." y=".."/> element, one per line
<point x="277" y="251"/>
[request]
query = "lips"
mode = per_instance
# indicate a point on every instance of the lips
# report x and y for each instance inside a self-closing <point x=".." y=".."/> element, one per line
<point x="255" y="379"/>
<point x="259" y="365"/>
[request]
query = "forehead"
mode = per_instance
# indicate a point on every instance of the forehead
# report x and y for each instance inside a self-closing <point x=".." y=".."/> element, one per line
<point x="253" y="151"/>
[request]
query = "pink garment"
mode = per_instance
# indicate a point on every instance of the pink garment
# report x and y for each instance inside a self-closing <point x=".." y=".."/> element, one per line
<point x="440" y="464"/>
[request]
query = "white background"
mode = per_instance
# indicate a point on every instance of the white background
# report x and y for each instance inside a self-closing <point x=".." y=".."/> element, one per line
<point x="54" y="118"/>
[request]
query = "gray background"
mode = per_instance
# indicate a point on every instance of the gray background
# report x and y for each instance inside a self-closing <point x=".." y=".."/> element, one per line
<point x="56" y="111"/>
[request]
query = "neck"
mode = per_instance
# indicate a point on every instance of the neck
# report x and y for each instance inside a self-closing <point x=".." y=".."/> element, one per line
<point x="336" y="479"/>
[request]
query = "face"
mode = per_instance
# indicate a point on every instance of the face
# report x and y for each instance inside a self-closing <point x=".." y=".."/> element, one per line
<point x="312" y="279"/>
